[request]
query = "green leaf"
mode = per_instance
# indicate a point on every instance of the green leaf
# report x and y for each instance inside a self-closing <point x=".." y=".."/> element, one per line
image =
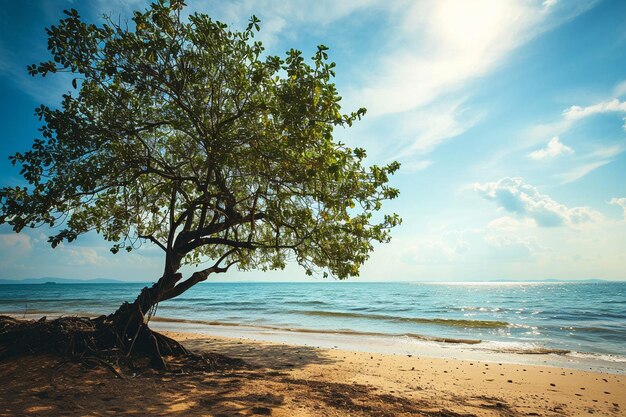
<point x="184" y="134"/>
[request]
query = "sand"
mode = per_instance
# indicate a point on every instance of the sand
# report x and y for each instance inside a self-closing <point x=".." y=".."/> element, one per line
<point x="288" y="380"/>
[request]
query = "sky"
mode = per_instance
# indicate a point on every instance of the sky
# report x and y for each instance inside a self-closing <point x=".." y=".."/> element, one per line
<point x="508" y="117"/>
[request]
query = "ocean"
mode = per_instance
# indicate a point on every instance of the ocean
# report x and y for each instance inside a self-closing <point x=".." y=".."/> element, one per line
<point x="579" y="318"/>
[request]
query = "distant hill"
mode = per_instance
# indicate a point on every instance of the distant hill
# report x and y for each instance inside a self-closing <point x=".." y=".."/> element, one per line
<point x="56" y="280"/>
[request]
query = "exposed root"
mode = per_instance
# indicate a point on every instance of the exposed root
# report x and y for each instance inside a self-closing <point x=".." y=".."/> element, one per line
<point x="97" y="342"/>
<point x="104" y="363"/>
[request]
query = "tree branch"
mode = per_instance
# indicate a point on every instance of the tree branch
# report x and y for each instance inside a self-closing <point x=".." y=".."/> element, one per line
<point x="216" y="241"/>
<point x="213" y="228"/>
<point x="153" y="240"/>
<point x="199" y="276"/>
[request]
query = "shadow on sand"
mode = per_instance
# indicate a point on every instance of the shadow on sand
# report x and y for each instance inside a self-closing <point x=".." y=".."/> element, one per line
<point x="265" y="385"/>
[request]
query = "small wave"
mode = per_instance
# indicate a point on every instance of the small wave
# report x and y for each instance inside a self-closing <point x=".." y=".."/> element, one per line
<point x="561" y="352"/>
<point x="378" y="334"/>
<point x="420" y="320"/>
<point x="210" y="302"/>
<point x="320" y="331"/>
<point x="443" y="339"/>
<point x="601" y="356"/>
<point x="481" y="309"/>
<point x="613" y="302"/>
<point x="535" y="351"/>
<point x="191" y="321"/>
<point x="602" y="330"/>
<point x="522" y="326"/>
<point x="312" y="302"/>
<point x="521" y="348"/>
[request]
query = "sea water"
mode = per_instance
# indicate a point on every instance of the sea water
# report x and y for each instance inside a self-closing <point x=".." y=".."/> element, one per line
<point x="583" y="318"/>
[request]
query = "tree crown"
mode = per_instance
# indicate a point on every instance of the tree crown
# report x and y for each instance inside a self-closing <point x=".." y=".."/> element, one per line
<point x="183" y="132"/>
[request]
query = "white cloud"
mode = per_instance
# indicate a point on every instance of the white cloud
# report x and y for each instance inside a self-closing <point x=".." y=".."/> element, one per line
<point x="512" y="241"/>
<point x="440" y="48"/>
<point x="424" y="130"/>
<point x="549" y="3"/>
<point x="576" y="113"/>
<point x="429" y="48"/>
<point x="610" y="106"/>
<point x="600" y="157"/>
<point x="572" y="115"/>
<point x="444" y="43"/>
<point x="609" y="151"/>
<point x="509" y="224"/>
<point x="620" y="89"/>
<point x="619" y="202"/>
<point x="516" y="196"/>
<point x="81" y="256"/>
<point x="280" y="19"/>
<point x="511" y="237"/>
<point x="15" y="244"/>
<point x="553" y="149"/>
<point x="581" y="171"/>
<point x="429" y="251"/>
<point x="589" y="161"/>
<point x="435" y="250"/>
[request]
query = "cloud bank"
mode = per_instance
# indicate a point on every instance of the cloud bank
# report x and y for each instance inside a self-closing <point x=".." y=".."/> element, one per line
<point x="516" y="196"/>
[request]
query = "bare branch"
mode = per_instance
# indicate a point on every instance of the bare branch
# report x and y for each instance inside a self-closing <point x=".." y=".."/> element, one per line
<point x="153" y="240"/>
<point x="216" y="241"/>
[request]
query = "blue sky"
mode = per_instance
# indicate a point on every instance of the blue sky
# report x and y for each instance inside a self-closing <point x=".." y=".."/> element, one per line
<point x="508" y="116"/>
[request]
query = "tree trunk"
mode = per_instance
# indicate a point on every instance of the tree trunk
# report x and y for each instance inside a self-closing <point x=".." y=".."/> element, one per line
<point x="130" y="326"/>
<point x="129" y="323"/>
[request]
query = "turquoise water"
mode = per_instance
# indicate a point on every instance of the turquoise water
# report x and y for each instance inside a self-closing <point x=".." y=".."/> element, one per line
<point x="580" y="317"/>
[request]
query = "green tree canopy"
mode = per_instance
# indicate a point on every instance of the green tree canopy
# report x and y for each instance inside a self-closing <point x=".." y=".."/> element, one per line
<point x="185" y="133"/>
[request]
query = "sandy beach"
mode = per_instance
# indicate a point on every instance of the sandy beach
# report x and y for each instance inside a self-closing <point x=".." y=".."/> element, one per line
<point x="313" y="208"/>
<point x="289" y="380"/>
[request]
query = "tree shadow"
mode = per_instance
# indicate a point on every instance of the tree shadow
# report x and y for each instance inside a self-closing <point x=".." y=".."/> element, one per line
<point x="262" y="355"/>
<point x="47" y="385"/>
<point x="267" y="380"/>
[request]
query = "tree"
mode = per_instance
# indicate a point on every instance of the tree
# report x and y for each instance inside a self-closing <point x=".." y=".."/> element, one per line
<point x="183" y="133"/>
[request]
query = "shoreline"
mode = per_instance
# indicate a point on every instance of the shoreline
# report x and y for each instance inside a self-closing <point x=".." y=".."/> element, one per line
<point x="447" y="386"/>
<point x="286" y="380"/>
<point x="396" y="344"/>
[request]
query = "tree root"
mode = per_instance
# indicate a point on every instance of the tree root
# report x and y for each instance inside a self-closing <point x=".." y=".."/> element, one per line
<point x="104" y="363"/>
<point x="96" y="341"/>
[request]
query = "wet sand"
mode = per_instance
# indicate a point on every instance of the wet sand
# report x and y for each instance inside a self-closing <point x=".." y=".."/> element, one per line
<point x="289" y="380"/>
